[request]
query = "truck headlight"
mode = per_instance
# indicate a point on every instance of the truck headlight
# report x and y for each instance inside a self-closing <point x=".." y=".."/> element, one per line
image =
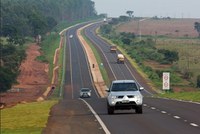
<point x="113" y="97"/>
<point x="138" y="98"/>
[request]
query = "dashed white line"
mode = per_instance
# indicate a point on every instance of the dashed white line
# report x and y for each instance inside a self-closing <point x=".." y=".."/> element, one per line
<point x="145" y="105"/>
<point x="194" y="125"/>
<point x="163" y="112"/>
<point x="177" y="117"/>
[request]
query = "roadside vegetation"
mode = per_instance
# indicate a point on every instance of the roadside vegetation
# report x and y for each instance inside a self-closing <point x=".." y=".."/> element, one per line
<point x="26" y="118"/>
<point x="21" y="22"/>
<point x="155" y="55"/>
<point x="22" y="19"/>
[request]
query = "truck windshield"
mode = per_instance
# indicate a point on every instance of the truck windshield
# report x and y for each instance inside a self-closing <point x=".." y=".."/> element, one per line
<point x="124" y="87"/>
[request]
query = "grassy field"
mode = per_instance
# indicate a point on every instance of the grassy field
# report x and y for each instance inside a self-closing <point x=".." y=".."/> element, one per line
<point x="189" y="54"/>
<point x="28" y="118"/>
<point x="174" y="34"/>
<point x="161" y="27"/>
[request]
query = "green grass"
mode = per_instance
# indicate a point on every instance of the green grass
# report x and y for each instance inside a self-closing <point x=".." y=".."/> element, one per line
<point x="99" y="60"/>
<point x="188" y="96"/>
<point x="48" y="47"/>
<point x="28" y="118"/>
<point x="189" y="56"/>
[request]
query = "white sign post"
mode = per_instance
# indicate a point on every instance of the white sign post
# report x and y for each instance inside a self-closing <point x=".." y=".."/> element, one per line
<point x="166" y="80"/>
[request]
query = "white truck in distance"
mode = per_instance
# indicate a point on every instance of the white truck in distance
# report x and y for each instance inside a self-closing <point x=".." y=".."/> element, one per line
<point x="124" y="95"/>
<point x="120" y="58"/>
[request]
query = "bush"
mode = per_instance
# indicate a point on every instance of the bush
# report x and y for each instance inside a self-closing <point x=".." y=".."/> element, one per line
<point x="198" y="81"/>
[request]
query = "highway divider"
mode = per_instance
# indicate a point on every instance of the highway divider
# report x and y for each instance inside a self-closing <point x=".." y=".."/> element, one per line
<point x="93" y="65"/>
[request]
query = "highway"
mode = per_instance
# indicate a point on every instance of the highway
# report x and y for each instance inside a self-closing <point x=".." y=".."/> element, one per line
<point x="160" y="115"/>
<point x="72" y="115"/>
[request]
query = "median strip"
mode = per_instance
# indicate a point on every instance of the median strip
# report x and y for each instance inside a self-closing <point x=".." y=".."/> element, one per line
<point x="96" y="74"/>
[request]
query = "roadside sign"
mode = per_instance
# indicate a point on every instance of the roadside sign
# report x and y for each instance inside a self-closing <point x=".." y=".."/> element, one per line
<point x="166" y="80"/>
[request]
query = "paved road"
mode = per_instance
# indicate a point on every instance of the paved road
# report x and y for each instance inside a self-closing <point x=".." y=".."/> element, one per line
<point x="71" y="115"/>
<point x="160" y="115"/>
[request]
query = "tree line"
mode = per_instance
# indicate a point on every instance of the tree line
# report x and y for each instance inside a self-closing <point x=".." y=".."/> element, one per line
<point x="28" y="18"/>
<point x="20" y="18"/>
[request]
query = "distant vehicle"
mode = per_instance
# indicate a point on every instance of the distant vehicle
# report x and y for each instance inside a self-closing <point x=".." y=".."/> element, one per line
<point x="85" y="92"/>
<point x="104" y="20"/>
<point x="71" y="36"/>
<point x="124" y="95"/>
<point x="120" y="58"/>
<point x="113" y="49"/>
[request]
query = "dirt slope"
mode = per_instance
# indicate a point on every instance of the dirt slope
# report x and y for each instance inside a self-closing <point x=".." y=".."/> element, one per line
<point x="32" y="80"/>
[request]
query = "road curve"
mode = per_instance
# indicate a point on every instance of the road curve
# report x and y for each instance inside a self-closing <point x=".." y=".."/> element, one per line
<point x="71" y="115"/>
<point x="160" y="115"/>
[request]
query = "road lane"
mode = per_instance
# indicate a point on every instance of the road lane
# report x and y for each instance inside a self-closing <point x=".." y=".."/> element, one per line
<point x="160" y="116"/>
<point x="71" y="115"/>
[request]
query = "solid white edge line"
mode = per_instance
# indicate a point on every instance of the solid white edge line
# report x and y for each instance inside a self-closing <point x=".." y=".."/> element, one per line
<point x="198" y="103"/>
<point x="136" y="80"/>
<point x="88" y="64"/>
<point x="97" y="117"/>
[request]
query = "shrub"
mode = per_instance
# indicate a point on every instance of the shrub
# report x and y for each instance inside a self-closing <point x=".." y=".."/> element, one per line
<point x="198" y="81"/>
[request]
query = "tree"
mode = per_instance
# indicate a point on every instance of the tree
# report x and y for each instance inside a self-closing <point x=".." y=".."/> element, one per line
<point x="123" y="18"/>
<point x="130" y="13"/>
<point x="197" y="27"/>
<point x="170" y="56"/>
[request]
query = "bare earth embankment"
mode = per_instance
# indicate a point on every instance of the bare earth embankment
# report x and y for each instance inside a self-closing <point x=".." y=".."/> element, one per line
<point x="32" y="81"/>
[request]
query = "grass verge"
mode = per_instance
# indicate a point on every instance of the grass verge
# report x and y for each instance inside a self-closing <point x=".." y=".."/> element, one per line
<point x="188" y="96"/>
<point x="28" y="118"/>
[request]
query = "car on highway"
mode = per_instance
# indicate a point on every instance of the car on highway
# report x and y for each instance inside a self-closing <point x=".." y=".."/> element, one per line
<point x="71" y="36"/>
<point x="85" y="92"/>
<point x="124" y="95"/>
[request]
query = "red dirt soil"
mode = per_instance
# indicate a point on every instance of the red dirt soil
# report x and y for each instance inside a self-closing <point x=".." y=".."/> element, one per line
<point x="33" y="80"/>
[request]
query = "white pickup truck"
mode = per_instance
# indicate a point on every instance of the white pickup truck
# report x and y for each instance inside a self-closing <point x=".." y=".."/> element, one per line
<point x="124" y="94"/>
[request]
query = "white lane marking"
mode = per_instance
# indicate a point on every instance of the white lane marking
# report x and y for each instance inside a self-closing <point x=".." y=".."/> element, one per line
<point x="136" y="80"/>
<point x="88" y="65"/>
<point x="97" y="117"/>
<point x="177" y="117"/>
<point x="198" y="103"/>
<point x="70" y="57"/>
<point x="145" y="105"/>
<point x="105" y="58"/>
<point x="194" y="125"/>
<point x="164" y="112"/>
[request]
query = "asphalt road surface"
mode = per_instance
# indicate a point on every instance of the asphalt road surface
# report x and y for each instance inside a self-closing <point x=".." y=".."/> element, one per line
<point x="72" y="115"/>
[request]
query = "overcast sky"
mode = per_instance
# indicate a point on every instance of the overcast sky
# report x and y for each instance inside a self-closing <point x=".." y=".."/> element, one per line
<point x="150" y="8"/>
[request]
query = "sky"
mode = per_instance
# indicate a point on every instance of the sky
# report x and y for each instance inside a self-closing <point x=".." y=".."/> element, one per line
<point x="150" y="8"/>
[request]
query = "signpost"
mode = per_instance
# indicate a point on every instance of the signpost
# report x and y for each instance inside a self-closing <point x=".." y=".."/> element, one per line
<point x="166" y="80"/>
